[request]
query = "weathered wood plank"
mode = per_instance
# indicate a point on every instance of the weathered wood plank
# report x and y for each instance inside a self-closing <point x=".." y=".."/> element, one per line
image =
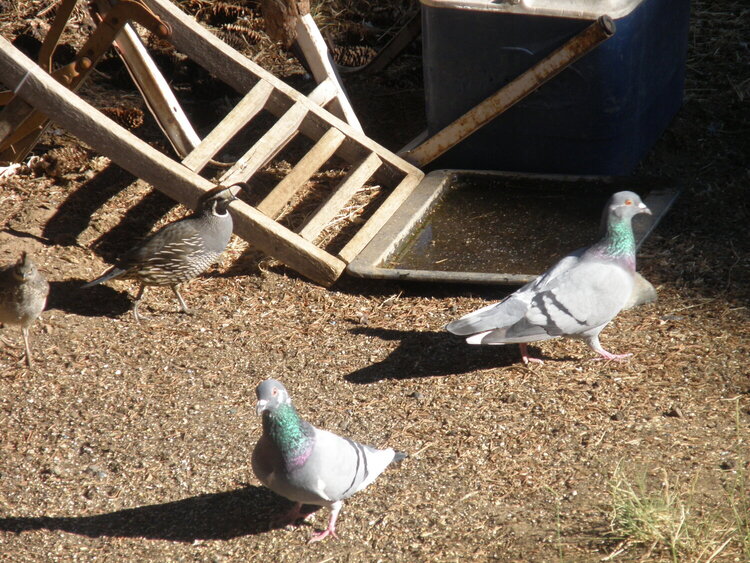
<point x="378" y="219"/>
<point x="247" y="108"/>
<point x="355" y="179"/>
<point x="326" y="146"/>
<point x="142" y="160"/>
<point x="241" y="74"/>
<point x="321" y="64"/>
<point x="275" y="139"/>
<point x="155" y="91"/>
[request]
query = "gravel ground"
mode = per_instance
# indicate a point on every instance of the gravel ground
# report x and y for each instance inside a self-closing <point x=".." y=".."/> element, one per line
<point x="132" y="442"/>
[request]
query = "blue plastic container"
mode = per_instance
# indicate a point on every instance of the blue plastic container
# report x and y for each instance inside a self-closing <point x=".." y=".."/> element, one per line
<point x="598" y="116"/>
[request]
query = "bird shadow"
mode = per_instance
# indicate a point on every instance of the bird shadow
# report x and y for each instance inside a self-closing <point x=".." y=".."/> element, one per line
<point x="215" y="516"/>
<point x="96" y="301"/>
<point x="429" y="354"/>
<point x="73" y="216"/>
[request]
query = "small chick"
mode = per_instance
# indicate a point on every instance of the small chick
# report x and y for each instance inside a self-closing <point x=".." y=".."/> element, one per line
<point x="23" y="296"/>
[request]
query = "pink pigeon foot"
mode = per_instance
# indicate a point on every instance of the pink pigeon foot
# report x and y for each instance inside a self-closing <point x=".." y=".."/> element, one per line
<point x="331" y="529"/>
<point x="610" y="356"/>
<point x="290" y="517"/>
<point x="525" y="355"/>
<point x="322" y="535"/>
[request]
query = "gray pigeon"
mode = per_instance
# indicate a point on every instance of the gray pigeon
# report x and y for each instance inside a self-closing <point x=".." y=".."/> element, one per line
<point x="577" y="298"/>
<point x="307" y="465"/>
<point x="23" y="296"/>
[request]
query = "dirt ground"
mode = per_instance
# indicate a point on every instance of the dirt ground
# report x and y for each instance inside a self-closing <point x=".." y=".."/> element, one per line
<point x="132" y="442"/>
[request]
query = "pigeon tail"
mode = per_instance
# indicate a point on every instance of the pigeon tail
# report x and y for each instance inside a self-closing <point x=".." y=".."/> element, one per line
<point x="106" y="276"/>
<point x="495" y="315"/>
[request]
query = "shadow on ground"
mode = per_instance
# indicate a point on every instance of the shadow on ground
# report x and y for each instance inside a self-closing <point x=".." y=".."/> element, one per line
<point x="73" y="216"/>
<point x="428" y="354"/>
<point x="97" y="301"/>
<point x="217" y="516"/>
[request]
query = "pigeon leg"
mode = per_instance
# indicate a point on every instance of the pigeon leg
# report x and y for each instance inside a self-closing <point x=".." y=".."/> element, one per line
<point x="594" y="344"/>
<point x="291" y="516"/>
<point x="183" y="306"/>
<point x="525" y="355"/>
<point x="331" y="529"/>
<point x="141" y="293"/>
<point x="27" y="348"/>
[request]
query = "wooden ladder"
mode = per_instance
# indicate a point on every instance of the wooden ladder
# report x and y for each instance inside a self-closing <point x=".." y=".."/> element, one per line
<point x="294" y="113"/>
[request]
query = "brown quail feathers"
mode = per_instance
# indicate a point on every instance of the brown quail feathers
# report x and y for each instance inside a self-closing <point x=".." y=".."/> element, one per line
<point x="179" y="251"/>
<point x="23" y="295"/>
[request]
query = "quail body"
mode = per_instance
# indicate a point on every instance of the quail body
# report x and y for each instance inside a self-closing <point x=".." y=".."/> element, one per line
<point x="178" y="251"/>
<point x="23" y="296"/>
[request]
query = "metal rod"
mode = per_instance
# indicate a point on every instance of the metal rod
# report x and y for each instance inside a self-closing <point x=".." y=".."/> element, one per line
<point x="487" y="110"/>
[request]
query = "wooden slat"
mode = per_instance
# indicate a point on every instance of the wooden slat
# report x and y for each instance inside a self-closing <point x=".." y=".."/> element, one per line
<point x="355" y="179"/>
<point x="241" y="73"/>
<point x="275" y="139"/>
<point x="321" y="64"/>
<point x="378" y="219"/>
<point x="155" y="90"/>
<point x="247" y="108"/>
<point x="323" y="93"/>
<point x="326" y="146"/>
<point x="141" y="159"/>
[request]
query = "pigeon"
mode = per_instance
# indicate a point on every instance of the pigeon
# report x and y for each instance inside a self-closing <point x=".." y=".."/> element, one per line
<point x="23" y="296"/>
<point x="307" y="465"/>
<point x="576" y="298"/>
<point x="180" y="250"/>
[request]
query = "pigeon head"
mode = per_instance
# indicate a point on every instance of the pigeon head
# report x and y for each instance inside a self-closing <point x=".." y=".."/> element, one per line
<point x="616" y="224"/>
<point x="625" y="205"/>
<point x="217" y="200"/>
<point x="271" y="395"/>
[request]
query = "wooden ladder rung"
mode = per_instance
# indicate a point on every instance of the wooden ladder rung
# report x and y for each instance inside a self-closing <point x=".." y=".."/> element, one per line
<point x="275" y="139"/>
<point x="355" y="179"/>
<point x="274" y="202"/>
<point x="378" y="218"/>
<point x="233" y="122"/>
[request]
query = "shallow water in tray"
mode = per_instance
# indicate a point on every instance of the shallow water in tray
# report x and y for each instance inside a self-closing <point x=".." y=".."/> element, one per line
<point x="510" y="226"/>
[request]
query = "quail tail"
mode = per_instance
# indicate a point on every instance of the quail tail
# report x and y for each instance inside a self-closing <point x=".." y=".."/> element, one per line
<point x="106" y="276"/>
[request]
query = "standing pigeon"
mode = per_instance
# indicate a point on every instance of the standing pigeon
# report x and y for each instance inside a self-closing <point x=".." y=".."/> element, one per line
<point x="577" y="298"/>
<point x="23" y="295"/>
<point x="307" y="465"/>
<point x="179" y="251"/>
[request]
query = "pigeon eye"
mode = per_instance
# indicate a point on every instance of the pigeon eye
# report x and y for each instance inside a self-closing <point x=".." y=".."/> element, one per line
<point x="628" y="202"/>
<point x="275" y="391"/>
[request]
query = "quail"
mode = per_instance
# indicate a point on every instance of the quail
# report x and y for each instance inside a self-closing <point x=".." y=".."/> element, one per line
<point x="180" y="250"/>
<point x="23" y="295"/>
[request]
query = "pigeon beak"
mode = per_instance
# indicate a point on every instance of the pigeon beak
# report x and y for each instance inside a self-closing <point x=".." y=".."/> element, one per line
<point x="644" y="209"/>
<point x="261" y="406"/>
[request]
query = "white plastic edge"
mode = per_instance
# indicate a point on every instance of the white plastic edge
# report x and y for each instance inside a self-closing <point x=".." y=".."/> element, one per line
<point x="585" y="9"/>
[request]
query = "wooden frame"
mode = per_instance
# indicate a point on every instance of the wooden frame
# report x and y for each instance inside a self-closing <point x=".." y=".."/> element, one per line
<point x="295" y="113"/>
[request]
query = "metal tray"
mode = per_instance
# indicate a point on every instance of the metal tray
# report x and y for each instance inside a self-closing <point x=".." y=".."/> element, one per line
<point x="468" y="226"/>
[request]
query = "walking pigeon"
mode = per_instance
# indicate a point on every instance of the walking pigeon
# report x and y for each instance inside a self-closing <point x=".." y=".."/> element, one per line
<point x="307" y="465"/>
<point x="577" y="298"/>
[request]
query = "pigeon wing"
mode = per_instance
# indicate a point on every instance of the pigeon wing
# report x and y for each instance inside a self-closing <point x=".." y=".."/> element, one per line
<point x="583" y="298"/>
<point x="494" y="320"/>
<point x="339" y="467"/>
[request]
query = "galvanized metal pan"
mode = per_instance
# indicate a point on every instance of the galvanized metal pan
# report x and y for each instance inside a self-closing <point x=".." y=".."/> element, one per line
<point x="533" y="193"/>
